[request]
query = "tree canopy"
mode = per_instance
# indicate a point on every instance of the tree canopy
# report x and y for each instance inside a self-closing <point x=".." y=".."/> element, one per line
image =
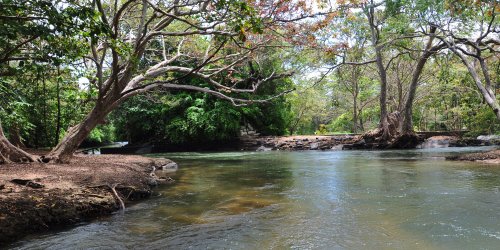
<point x="198" y="70"/>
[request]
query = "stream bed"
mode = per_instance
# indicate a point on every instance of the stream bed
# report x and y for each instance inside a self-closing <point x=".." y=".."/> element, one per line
<point x="411" y="199"/>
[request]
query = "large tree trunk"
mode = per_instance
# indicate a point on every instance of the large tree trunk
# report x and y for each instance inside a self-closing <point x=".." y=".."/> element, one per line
<point x="382" y="134"/>
<point x="384" y="123"/>
<point x="383" y="128"/>
<point x="10" y="153"/>
<point x="75" y="135"/>
<point x="355" y="115"/>
<point x="407" y="123"/>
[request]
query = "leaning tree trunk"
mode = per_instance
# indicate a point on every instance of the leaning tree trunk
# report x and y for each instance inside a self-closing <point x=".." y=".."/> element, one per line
<point x="10" y="153"/>
<point x="407" y="138"/>
<point x="486" y="90"/>
<point x="407" y="123"/>
<point x="75" y="135"/>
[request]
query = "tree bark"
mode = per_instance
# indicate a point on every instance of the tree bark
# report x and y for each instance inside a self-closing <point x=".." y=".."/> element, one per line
<point x="407" y="123"/>
<point x="75" y="135"/>
<point x="383" y="124"/>
<point x="355" y="116"/>
<point x="10" y="153"/>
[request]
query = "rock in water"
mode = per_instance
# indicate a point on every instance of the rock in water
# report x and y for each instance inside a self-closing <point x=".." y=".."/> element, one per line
<point x="262" y="148"/>
<point x="170" y="166"/>
<point x="488" y="137"/>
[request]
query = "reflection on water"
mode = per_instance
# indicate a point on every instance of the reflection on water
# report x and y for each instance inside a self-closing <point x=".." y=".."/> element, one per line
<point x="306" y="200"/>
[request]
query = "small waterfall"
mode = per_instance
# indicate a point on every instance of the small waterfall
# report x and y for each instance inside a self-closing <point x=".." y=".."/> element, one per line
<point x="432" y="142"/>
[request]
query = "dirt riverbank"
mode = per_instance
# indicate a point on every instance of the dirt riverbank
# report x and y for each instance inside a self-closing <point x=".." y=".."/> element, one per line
<point x="492" y="157"/>
<point x="39" y="197"/>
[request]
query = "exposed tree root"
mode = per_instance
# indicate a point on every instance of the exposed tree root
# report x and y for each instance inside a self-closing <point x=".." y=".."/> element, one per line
<point x="10" y="153"/>
<point x="113" y="188"/>
<point x="387" y="136"/>
<point x="405" y="141"/>
<point x="387" y="131"/>
<point x="115" y="193"/>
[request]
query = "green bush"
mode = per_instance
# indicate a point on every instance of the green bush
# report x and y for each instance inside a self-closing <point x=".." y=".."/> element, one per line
<point x="343" y="123"/>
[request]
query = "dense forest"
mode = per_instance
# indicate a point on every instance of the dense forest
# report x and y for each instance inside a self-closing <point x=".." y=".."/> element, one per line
<point x="199" y="71"/>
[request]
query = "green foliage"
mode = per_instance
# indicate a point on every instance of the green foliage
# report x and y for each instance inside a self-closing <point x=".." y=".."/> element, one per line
<point x="191" y="118"/>
<point x="322" y="130"/>
<point x="29" y="102"/>
<point x="102" y="134"/>
<point x="341" y="123"/>
<point x="54" y="26"/>
<point x="204" y="120"/>
<point x="42" y="43"/>
<point x="482" y="122"/>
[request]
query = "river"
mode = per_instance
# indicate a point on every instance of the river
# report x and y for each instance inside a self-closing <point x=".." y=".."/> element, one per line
<point x="410" y="199"/>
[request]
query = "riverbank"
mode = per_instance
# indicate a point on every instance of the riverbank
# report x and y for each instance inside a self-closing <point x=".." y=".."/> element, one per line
<point x="39" y="197"/>
<point x="293" y="143"/>
<point x="492" y="157"/>
<point x="353" y="142"/>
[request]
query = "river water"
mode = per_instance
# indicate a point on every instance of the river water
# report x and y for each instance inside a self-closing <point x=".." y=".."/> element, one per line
<point x="306" y="200"/>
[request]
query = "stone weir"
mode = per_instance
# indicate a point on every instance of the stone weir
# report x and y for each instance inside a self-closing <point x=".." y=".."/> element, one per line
<point x="293" y="143"/>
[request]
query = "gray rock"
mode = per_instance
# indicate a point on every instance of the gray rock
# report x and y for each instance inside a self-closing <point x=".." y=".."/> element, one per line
<point x="314" y="146"/>
<point x="262" y="148"/>
<point x="488" y="137"/>
<point x="170" y="166"/>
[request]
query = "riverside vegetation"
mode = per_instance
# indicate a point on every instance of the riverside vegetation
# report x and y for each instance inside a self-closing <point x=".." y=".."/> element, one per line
<point x="77" y="73"/>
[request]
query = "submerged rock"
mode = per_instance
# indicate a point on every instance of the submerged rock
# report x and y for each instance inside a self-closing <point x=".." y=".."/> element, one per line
<point x="262" y="148"/>
<point x="170" y="166"/>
